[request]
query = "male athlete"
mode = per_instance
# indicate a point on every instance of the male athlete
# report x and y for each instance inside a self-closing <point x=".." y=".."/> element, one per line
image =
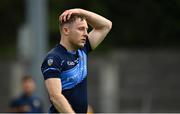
<point x="65" y="66"/>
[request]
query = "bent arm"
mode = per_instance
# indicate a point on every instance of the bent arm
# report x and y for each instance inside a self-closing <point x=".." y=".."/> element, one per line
<point x="101" y="26"/>
<point x="54" y="88"/>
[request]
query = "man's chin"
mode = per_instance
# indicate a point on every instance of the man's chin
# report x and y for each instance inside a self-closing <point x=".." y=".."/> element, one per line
<point x="81" y="45"/>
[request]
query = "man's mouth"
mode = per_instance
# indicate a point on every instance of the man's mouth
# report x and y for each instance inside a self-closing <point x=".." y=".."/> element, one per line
<point x="83" y="40"/>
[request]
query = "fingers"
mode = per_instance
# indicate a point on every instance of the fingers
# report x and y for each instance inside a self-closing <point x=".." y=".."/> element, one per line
<point x="65" y="16"/>
<point x="69" y="15"/>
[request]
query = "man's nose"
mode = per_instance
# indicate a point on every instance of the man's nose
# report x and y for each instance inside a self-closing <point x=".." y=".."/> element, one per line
<point x="86" y="36"/>
<point x="85" y="32"/>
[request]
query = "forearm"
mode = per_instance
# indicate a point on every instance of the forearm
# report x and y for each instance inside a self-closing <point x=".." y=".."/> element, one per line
<point x="61" y="103"/>
<point x="95" y="20"/>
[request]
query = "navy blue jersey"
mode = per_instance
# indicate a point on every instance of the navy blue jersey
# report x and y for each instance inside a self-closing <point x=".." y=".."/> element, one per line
<point x="71" y="68"/>
<point x="33" y="104"/>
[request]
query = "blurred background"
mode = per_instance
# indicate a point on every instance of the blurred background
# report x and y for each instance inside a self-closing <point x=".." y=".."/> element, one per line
<point x="135" y="69"/>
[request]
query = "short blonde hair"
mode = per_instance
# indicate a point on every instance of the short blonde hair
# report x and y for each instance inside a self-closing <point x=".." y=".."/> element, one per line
<point x="72" y="19"/>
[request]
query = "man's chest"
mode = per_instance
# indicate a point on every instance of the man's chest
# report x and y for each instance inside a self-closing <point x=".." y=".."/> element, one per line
<point x="74" y="70"/>
<point x="69" y="62"/>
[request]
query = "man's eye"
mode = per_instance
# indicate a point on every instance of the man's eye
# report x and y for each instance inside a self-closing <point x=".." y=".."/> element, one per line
<point x="81" y="28"/>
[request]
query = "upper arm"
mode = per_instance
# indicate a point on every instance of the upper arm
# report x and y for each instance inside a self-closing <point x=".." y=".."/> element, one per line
<point x="53" y="86"/>
<point x="96" y="36"/>
<point x="51" y="67"/>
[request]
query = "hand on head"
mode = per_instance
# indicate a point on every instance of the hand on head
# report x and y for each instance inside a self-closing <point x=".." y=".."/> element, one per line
<point x="67" y="14"/>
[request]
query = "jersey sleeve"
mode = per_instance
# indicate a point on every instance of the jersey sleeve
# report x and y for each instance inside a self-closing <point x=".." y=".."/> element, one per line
<point x="51" y="67"/>
<point x="87" y="47"/>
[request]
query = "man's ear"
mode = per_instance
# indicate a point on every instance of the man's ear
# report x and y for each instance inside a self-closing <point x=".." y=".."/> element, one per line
<point x="66" y="30"/>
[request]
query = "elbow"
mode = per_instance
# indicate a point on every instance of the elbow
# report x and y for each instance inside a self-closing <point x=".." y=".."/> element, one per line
<point x="109" y="25"/>
<point x="54" y="97"/>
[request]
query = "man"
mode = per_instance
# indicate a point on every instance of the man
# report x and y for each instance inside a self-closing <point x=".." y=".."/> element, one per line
<point x="27" y="102"/>
<point x="65" y="66"/>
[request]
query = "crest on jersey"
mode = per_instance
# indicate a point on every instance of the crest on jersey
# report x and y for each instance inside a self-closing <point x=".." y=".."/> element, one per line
<point x="50" y="62"/>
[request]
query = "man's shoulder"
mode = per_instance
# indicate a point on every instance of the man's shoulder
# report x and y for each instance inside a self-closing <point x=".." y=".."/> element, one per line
<point x="55" y="52"/>
<point x="55" y="56"/>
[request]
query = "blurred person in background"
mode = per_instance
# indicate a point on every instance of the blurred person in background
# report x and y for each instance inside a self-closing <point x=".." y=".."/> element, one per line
<point x="27" y="101"/>
<point x="18" y="106"/>
<point x="65" y="66"/>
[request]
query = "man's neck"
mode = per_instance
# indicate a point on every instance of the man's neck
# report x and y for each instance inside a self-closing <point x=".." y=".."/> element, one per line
<point x="27" y="94"/>
<point x="67" y="45"/>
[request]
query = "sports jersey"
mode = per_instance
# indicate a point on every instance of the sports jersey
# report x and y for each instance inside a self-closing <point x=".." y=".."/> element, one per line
<point x="71" y="68"/>
<point x="33" y="104"/>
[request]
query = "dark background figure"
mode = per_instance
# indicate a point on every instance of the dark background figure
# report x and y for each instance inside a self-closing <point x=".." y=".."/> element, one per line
<point x="18" y="106"/>
<point x="27" y="101"/>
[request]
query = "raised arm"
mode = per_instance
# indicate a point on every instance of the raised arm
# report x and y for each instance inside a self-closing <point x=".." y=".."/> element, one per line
<point x="101" y="26"/>
<point x="58" y="100"/>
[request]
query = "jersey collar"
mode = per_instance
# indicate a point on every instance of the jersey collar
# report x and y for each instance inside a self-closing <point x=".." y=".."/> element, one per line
<point x="65" y="50"/>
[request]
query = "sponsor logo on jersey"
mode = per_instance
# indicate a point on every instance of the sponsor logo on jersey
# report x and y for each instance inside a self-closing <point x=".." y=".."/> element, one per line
<point x="70" y="63"/>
